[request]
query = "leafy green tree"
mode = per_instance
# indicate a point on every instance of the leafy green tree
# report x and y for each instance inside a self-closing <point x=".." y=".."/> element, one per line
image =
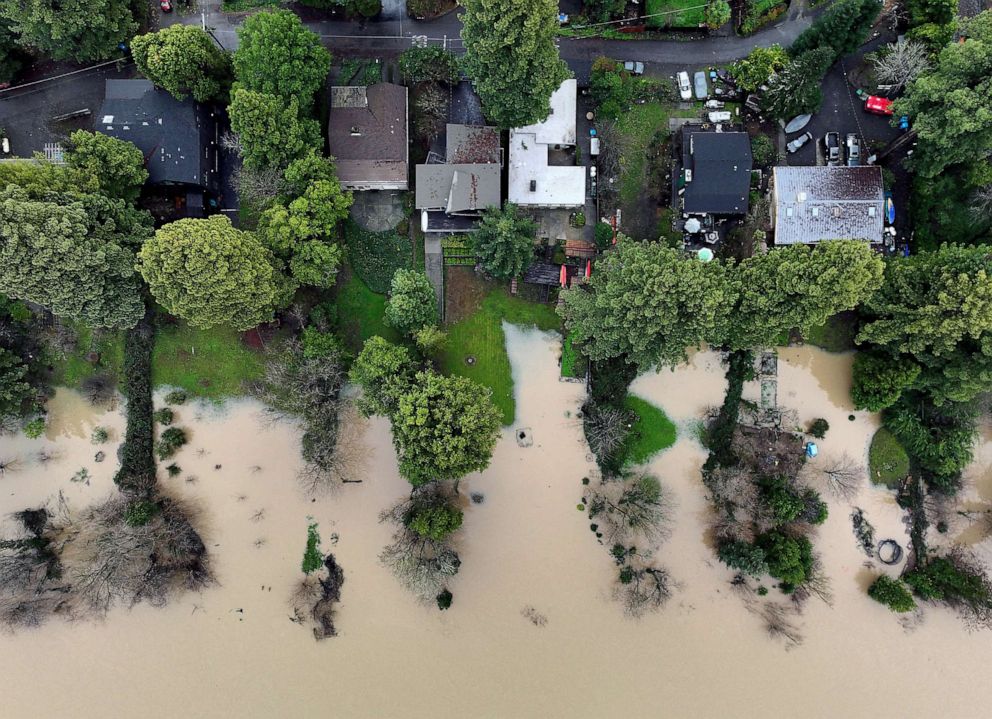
<point x="504" y="242"/>
<point x="603" y="10"/>
<point x="277" y="55"/>
<point x="184" y="61"/>
<point x="755" y="70"/>
<point x="435" y="523"/>
<point x="209" y="273"/>
<point x="938" y="12"/>
<point x="429" y="64"/>
<point x="510" y="55"/>
<point x="79" y="30"/>
<point x="15" y="391"/>
<point x="880" y="379"/>
<point x="270" y="129"/>
<point x="789" y="559"/>
<point x="948" y="105"/>
<point x="947" y="579"/>
<point x="383" y="371"/>
<point x="316" y="263"/>
<point x="763" y="150"/>
<point x="650" y="303"/>
<point x="842" y="28"/>
<point x="444" y="428"/>
<point x="312" y="167"/>
<point x="430" y="340"/>
<point x="800" y="286"/>
<point x="312" y="216"/>
<point x="796" y="89"/>
<point x="936" y="307"/>
<point x="717" y="14"/>
<point x="12" y="58"/>
<point x="313" y="559"/>
<point x="892" y="593"/>
<point x="743" y="556"/>
<point x="51" y="254"/>
<point x="119" y="166"/>
<point x="412" y="302"/>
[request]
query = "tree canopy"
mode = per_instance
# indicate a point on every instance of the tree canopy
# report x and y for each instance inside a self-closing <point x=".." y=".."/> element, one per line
<point x="510" y="55"/>
<point x="842" y="28"/>
<point x="761" y="63"/>
<point x="277" y="55"/>
<point x="52" y="254"/>
<point x="796" y="88"/>
<point x="15" y="390"/>
<point x="184" y="61"/>
<point x="444" y="428"/>
<point x="79" y="30"/>
<point x="382" y="370"/>
<point x="649" y="302"/>
<point x="504" y="242"/>
<point x="209" y="273"/>
<point x="412" y="304"/>
<point x="271" y="131"/>
<point x="117" y="165"/>
<point x="800" y="287"/>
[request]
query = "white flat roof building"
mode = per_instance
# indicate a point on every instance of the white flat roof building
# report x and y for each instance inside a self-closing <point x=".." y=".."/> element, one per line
<point x="532" y="181"/>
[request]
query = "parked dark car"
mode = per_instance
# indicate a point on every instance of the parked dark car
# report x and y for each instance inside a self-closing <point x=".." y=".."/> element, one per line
<point x="831" y="149"/>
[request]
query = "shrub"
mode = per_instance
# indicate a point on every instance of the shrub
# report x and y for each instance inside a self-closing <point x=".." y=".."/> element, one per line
<point x="819" y="428"/>
<point x="174" y="469"/>
<point x="164" y="416"/>
<point x="814" y="509"/>
<point x="171" y="440"/>
<point x="743" y="556"/>
<point x="892" y="593"/>
<point x="35" y="428"/>
<point x="176" y="397"/>
<point x="320" y="344"/>
<point x="444" y="600"/>
<point x="140" y="513"/>
<point x="376" y="256"/>
<point x="785" y="504"/>
<point x="99" y="435"/>
<point x="578" y="219"/>
<point x="789" y="559"/>
<point x="604" y="236"/>
<point x="763" y="150"/>
<point x="435" y="522"/>
<point x="137" y="470"/>
<point x="428" y="64"/>
<point x="412" y="303"/>
<point x="312" y="557"/>
<point x="943" y="580"/>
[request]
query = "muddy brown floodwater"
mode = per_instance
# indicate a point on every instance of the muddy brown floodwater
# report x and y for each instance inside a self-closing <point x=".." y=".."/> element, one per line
<point x="527" y="555"/>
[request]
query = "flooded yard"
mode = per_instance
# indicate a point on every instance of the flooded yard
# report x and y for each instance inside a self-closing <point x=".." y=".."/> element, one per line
<point x="533" y="630"/>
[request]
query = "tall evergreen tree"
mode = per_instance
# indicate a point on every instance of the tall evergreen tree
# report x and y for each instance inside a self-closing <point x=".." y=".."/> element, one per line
<point x="80" y="30"/>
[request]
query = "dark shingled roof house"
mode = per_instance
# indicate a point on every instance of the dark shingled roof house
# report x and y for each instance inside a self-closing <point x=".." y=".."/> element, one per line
<point x="178" y="138"/>
<point x="367" y="134"/>
<point x="810" y="204"/>
<point x="716" y="172"/>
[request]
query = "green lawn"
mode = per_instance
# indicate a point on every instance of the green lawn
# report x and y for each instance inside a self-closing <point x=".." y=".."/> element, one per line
<point x="210" y="363"/>
<point x="481" y="336"/>
<point x="652" y="431"/>
<point x="691" y="14"/>
<point x="71" y="370"/>
<point x="836" y="334"/>
<point x="888" y="462"/>
<point x="573" y="363"/>
<point x="375" y="256"/>
<point x="639" y="125"/>
<point x="361" y="312"/>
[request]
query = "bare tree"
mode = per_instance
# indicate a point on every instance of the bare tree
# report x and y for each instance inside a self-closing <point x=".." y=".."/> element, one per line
<point x="98" y="389"/>
<point x="981" y="203"/>
<point x="231" y="142"/>
<point x="44" y="456"/>
<point x="328" y="465"/>
<point x="642" y="590"/>
<point x="632" y="508"/>
<point x="779" y="626"/>
<point x="315" y="596"/>
<point x="817" y="585"/>
<point x="607" y="428"/>
<point x="9" y="464"/>
<point x="842" y="477"/>
<point x="901" y="63"/>
<point x="259" y="186"/>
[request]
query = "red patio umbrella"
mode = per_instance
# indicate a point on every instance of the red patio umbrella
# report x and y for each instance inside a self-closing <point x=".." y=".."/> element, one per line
<point x="563" y="277"/>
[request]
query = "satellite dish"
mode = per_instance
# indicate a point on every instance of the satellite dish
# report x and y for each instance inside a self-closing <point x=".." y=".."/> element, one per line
<point x="692" y="226"/>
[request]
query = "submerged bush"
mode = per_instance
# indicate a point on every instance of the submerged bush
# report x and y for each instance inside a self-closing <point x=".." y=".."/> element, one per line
<point x="171" y="440"/>
<point x="744" y="557"/>
<point x="139" y="513"/>
<point x="164" y="416"/>
<point x="789" y="559"/>
<point x="819" y="428"/>
<point x="892" y="593"/>
<point x="176" y="397"/>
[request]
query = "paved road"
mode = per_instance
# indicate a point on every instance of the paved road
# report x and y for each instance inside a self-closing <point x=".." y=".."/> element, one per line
<point x="392" y="35"/>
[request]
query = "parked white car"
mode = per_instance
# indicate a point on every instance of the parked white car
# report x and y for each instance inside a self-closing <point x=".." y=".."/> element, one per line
<point x="720" y="116"/>
<point x="685" y="89"/>
<point x="798" y="142"/>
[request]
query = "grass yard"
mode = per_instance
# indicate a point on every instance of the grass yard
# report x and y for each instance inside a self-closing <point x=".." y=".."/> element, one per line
<point x="652" y="431"/>
<point x="836" y="334"/>
<point x="246" y="5"/>
<point x="361" y="312"/>
<point x="690" y="15"/>
<point x="480" y="335"/>
<point x="573" y="363"/>
<point x="210" y="363"/>
<point x="639" y="126"/>
<point x="71" y="370"/>
<point x="888" y="462"/>
<point x="375" y="256"/>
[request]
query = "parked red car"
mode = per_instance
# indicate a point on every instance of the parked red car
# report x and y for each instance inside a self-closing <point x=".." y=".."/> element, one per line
<point x="878" y="105"/>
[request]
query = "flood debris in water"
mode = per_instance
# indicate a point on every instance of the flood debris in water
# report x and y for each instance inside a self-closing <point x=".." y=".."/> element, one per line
<point x="863" y="531"/>
<point x="315" y="597"/>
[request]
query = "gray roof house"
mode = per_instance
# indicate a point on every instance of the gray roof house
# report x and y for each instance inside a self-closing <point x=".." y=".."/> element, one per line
<point x="811" y="204"/>
<point x="716" y="172"/>
<point x="367" y="135"/>
<point x="452" y="194"/>
<point x="178" y="138"/>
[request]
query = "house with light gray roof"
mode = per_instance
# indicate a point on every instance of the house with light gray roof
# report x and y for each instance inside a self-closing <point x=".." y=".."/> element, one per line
<point x="812" y="204"/>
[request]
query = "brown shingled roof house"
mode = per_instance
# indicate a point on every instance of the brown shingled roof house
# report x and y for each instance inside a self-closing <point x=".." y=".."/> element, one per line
<point x="367" y="134"/>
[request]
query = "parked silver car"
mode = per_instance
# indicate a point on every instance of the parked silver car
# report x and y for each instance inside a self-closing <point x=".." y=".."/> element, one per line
<point x="633" y="67"/>
<point x="685" y="89"/>
<point x="702" y="91"/>
<point x="798" y="142"/>
<point x="853" y="150"/>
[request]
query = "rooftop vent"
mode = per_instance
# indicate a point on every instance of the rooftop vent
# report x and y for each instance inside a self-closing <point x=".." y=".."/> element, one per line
<point x="788" y="212"/>
<point x="802" y="197"/>
<point x="355" y="132"/>
<point x="871" y="211"/>
<point x="533" y="185"/>
<point x="816" y="211"/>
